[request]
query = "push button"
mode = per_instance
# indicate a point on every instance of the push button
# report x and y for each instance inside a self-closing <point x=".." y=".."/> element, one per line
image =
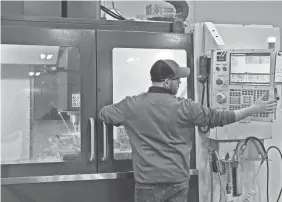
<point x="220" y="98"/>
<point x="219" y="82"/>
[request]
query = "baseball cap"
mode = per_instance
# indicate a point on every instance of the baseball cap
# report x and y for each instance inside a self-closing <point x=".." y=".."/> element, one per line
<point x="167" y="69"/>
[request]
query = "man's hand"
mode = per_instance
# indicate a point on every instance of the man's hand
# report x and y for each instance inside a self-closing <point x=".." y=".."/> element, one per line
<point x="264" y="106"/>
<point x="257" y="107"/>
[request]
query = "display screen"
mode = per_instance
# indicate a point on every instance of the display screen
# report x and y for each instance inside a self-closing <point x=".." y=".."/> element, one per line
<point x="253" y="68"/>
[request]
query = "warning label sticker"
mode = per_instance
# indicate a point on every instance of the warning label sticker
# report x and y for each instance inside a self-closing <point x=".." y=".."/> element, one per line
<point x="75" y="100"/>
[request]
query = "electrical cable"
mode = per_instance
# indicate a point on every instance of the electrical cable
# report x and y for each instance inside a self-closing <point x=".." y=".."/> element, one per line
<point x="219" y="178"/>
<point x="111" y="13"/>
<point x="203" y="94"/>
<point x="208" y="93"/>
<point x="113" y="5"/>
<point x="235" y="155"/>
<point x="211" y="171"/>
<point x="252" y="192"/>
<point x="267" y="163"/>
<point x="218" y="171"/>
<point x="221" y="187"/>
<point x="267" y="183"/>
<point x="258" y="140"/>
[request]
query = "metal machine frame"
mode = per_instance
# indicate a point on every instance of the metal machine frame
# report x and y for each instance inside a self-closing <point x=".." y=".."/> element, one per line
<point x="209" y="37"/>
<point x="114" y="181"/>
<point x="111" y="180"/>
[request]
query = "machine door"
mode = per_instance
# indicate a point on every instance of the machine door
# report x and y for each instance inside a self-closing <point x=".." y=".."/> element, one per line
<point x="47" y="103"/>
<point x="124" y="60"/>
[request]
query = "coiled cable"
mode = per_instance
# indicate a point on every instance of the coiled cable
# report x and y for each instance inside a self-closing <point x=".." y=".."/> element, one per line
<point x="250" y="196"/>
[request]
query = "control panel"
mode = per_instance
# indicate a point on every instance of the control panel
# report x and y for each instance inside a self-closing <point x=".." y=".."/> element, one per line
<point x="240" y="77"/>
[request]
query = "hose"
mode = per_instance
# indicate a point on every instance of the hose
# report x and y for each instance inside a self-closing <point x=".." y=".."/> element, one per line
<point x="267" y="163"/>
<point x="259" y="141"/>
<point x="181" y="7"/>
<point x="252" y="193"/>
<point x="267" y="183"/>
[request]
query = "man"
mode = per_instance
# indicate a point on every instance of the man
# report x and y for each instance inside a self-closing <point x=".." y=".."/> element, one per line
<point x="160" y="128"/>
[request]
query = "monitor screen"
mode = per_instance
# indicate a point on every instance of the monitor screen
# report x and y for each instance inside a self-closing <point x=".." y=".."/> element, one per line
<point x="252" y="68"/>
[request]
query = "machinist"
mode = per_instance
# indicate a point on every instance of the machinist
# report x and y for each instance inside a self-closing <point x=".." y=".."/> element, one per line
<point x="160" y="127"/>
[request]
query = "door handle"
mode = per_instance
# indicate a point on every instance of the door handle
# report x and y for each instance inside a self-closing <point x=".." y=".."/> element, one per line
<point x="92" y="139"/>
<point x="105" y="142"/>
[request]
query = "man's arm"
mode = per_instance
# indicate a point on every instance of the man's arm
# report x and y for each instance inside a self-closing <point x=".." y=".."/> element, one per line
<point x="113" y="114"/>
<point x="258" y="107"/>
<point x="203" y="116"/>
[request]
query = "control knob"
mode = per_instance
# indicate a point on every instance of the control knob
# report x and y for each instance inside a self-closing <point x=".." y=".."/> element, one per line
<point x="219" y="82"/>
<point x="220" y="98"/>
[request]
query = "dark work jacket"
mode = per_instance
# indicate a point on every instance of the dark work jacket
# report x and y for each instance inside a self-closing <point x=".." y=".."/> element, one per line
<point x="160" y="127"/>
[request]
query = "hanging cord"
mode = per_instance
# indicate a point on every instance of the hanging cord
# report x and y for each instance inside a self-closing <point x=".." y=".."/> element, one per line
<point x="214" y="158"/>
<point x="267" y="183"/>
<point x="205" y="89"/>
<point x="211" y="171"/>
<point x="204" y="72"/>
<point x="222" y="190"/>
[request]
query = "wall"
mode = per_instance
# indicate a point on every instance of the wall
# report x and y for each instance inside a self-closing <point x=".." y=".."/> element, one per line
<point x="240" y="12"/>
<point x="32" y="8"/>
<point x="73" y="9"/>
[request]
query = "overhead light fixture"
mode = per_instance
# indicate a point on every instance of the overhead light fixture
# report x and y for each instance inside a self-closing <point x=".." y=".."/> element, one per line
<point x="46" y="56"/>
<point x="271" y="39"/>
<point x="49" y="57"/>
<point x="31" y="73"/>
<point x="42" y="56"/>
<point x="37" y="73"/>
<point x="271" y="42"/>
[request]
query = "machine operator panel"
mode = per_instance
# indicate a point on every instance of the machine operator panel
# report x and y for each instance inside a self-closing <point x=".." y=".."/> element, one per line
<point x="239" y="77"/>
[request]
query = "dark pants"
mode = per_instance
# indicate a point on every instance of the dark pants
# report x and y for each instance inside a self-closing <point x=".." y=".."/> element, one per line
<point x="162" y="192"/>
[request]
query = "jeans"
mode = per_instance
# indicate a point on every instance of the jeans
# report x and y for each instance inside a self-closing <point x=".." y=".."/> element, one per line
<point x="171" y="192"/>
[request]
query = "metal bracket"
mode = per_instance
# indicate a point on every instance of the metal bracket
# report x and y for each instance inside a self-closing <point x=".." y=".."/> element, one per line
<point x="214" y="33"/>
<point x="278" y="68"/>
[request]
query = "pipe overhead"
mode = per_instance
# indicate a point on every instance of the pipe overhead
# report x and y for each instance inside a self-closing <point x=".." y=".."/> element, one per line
<point x="181" y="7"/>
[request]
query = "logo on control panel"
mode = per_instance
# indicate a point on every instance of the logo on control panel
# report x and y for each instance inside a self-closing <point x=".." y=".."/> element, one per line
<point x="221" y="56"/>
